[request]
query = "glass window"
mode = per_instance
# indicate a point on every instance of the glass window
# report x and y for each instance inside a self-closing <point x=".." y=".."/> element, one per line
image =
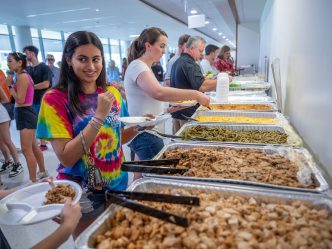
<point x="5" y="49"/>
<point x="3" y="29"/>
<point x="66" y="35"/>
<point x="124" y="49"/>
<point x="53" y="47"/>
<point x="104" y="41"/>
<point x="116" y="54"/>
<point x="34" y="32"/>
<point x="35" y="42"/>
<point x="106" y="53"/>
<point x="114" y="42"/>
<point x="51" y="35"/>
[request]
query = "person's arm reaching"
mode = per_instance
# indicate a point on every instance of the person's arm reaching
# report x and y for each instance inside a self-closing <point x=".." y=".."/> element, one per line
<point x="148" y="82"/>
<point x="71" y="214"/>
<point x="208" y="85"/>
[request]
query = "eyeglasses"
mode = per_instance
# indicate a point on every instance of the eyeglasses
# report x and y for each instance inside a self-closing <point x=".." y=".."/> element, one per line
<point x="50" y="59"/>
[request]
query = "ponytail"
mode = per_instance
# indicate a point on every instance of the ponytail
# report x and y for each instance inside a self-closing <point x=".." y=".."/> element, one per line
<point x="135" y="50"/>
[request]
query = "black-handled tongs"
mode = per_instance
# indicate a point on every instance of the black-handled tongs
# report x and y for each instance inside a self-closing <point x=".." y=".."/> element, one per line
<point x="154" y="166"/>
<point x="121" y="198"/>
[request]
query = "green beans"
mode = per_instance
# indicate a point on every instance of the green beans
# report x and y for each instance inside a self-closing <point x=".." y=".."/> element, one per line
<point x="242" y="136"/>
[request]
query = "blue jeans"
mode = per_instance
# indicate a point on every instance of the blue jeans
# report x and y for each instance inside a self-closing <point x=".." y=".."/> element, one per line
<point x="146" y="145"/>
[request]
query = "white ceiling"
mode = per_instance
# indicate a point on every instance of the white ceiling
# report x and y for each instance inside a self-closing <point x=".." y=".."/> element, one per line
<point x="119" y="19"/>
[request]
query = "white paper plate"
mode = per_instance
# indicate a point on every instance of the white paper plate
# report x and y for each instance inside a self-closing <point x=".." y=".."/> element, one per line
<point x="144" y="121"/>
<point x="186" y="103"/>
<point x="26" y="206"/>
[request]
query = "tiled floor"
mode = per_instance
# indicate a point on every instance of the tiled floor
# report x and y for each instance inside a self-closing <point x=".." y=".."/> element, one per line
<point x="30" y="235"/>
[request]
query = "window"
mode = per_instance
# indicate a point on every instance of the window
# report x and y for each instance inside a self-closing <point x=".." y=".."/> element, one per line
<point x="51" y="35"/>
<point x="4" y="50"/>
<point x="3" y="29"/>
<point x="116" y="54"/>
<point x="106" y="54"/>
<point x="53" y="47"/>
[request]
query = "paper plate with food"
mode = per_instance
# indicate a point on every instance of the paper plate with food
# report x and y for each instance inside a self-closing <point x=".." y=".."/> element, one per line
<point x="37" y="202"/>
<point x="144" y="121"/>
<point x="184" y="103"/>
<point x="209" y="75"/>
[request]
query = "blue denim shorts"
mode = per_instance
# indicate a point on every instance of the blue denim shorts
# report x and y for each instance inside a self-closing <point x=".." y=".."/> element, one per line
<point x="146" y="145"/>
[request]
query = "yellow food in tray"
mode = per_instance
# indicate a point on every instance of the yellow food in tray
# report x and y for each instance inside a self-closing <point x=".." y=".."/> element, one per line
<point x="240" y="119"/>
<point x="260" y="107"/>
<point x="185" y="101"/>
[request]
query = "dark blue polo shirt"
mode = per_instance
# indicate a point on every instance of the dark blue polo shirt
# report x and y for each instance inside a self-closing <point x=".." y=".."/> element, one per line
<point x="186" y="74"/>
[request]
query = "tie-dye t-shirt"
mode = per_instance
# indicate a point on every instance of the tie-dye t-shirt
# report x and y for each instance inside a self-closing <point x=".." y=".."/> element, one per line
<point x="57" y="120"/>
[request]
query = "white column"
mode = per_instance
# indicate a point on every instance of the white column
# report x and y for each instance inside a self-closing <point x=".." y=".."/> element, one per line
<point x="23" y="36"/>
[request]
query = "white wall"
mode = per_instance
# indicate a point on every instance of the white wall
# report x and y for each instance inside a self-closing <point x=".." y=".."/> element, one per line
<point x="299" y="33"/>
<point x="248" y="44"/>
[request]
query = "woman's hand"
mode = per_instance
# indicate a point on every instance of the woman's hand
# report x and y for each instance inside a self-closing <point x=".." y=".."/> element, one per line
<point x="104" y="105"/>
<point x="71" y="215"/>
<point x="203" y="99"/>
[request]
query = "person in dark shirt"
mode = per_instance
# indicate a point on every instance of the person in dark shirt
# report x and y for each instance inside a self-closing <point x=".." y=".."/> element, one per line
<point x="186" y="74"/>
<point x="41" y="75"/>
<point x="158" y="71"/>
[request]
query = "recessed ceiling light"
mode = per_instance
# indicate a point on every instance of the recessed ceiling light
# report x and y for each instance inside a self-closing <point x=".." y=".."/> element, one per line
<point x="193" y="12"/>
<point x="224" y="37"/>
<point x="214" y="29"/>
<point x="220" y="33"/>
<point x="207" y="22"/>
<point x="133" y="36"/>
<point x="97" y="10"/>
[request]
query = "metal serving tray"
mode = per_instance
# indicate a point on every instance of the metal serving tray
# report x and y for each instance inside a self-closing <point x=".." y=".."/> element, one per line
<point x="272" y="105"/>
<point x="299" y="153"/>
<point x="87" y="239"/>
<point x="250" y="114"/>
<point x="293" y="139"/>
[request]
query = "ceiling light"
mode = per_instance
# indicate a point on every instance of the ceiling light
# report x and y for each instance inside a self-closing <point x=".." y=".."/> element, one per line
<point x="220" y="33"/>
<point x="224" y="37"/>
<point x="214" y="29"/>
<point x="57" y="12"/>
<point x="97" y="10"/>
<point x="207" y="22"/>
<point x="193" y="12"/>
<point x="133" y="36"/>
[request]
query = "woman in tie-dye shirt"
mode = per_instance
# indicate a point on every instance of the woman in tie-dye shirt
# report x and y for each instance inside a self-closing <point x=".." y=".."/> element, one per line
<point x="81" y="102"/>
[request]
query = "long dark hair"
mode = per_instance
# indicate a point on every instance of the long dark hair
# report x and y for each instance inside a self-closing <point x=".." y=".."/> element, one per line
<point x="68" y="80"/>
<point x="20" y="57"/>
<point x="137" y="47"/>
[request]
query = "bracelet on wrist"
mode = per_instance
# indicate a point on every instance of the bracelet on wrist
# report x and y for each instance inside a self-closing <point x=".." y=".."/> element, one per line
<point x="99" y="125"/>
<point x="99" y="119"/>
<point x="94" y="126"/>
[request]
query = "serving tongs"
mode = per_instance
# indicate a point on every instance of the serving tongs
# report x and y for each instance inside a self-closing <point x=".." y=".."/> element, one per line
<point x="122" y="198"/>
<point x="154" y="166"/>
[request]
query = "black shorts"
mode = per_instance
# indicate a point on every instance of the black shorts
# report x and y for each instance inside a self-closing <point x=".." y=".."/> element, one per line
<point x="26" y="118"/>
<point x="10" y="109"/>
